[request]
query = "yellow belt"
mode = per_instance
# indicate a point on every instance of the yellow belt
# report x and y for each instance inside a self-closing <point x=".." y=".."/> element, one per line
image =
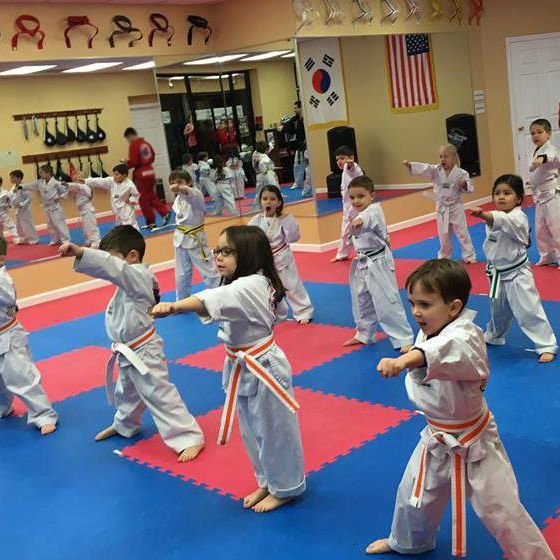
<point x="192" y="232"/>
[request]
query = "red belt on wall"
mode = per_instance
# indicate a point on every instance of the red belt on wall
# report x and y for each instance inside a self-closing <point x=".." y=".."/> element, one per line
<point x="79" y="21"/>
<point x="22" y="23"/>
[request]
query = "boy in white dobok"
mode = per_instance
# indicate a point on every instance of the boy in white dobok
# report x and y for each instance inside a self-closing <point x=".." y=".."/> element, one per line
<point x="450" y="182"/>
<point x="375" y="295"/>
<point x="513" y="293"/>
<point x="189" y="239"/>
<point x="124" y="195"/>
<point x="83" y="195"/>
<point x="143" y="380"/>
<point x="52" y="192"/>
<point x="21" y="201"/>
<point x="546" y="192"/>
<point x="6" y="222"/>
<point x="19" y="376"/>
<point x="460" y="452"/>
<point x="350" y="169"/>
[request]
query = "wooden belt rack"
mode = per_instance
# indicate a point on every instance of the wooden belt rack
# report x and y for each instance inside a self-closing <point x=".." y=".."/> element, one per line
<point x="65" y="154"/>
<point x="57" y="114"/>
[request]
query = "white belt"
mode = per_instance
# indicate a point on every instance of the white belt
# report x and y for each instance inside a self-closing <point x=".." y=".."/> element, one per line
<point x="128" y="351"/>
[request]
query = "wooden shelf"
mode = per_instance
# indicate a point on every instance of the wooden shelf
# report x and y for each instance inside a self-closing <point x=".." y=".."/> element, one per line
<point x="58" y="114"/>
<point x="65" y="154"/>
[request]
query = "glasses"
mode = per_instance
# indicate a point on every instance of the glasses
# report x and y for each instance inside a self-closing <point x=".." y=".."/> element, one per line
<point x="224" y="251"/>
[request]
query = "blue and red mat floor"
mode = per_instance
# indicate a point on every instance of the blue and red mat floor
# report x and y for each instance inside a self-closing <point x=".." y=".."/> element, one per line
<point x="66" y="497"/>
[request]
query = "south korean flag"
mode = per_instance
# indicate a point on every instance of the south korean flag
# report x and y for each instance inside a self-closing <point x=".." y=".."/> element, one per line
<point x="322" y="83"/>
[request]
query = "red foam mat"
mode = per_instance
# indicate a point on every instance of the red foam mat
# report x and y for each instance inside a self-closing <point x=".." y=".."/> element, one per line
<point x="331" y="426"/>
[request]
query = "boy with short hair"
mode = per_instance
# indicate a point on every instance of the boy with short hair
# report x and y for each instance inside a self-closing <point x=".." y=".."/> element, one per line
<point x="189" y="239"/>
<point x="191" y="168"/>
<point x="52" y="192"/>
<point x="350" y="169"/>
<point x="6" y="222"/>
<point x="375" y="294"/>
<point x="124" y="195"/>
<point x="460" y="447"/>
<point x="18" y="374"/>
<point x="204" y="171"/>
<point x="21" y="201"/>
<point x="143" y="380"/>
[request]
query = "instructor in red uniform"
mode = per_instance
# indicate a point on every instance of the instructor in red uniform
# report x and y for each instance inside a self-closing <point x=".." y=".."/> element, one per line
<point x="141" y="155"/>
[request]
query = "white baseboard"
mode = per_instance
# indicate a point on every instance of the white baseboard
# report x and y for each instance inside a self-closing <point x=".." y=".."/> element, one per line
<point x="42" y="228"/>
<point x="390" y="187"/>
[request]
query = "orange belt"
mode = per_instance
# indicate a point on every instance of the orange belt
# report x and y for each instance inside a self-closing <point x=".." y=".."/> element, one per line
<point x="466" y="433"/>
<point x="128" y="351"/>
<point x="8" y="325"/>
<point x="246" y="356"/>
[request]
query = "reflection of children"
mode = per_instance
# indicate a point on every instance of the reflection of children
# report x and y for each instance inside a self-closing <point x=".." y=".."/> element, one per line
<point x="460" y="452"/>
<point x="257" y="375"/>
<point x="235" y="166"/>
<point x="143" y="380"/>
<point x="189" y="239"/>
<point x="204" y="176"/>
<point x="6" y="222"/>
<point x="450" y="182"/>
<point x="18" y="374"/>
<point x="191" y="168"/>
<point x="281" y="230"/>
<point x="124" y="195"/>
<point x="375" y="294"/>
<point x="83" y="194"/>
<point x="264" y="169"/>
<point x="512" y="287"/>
<point x="546" y="192"/>
<point x="21" y="201"/>
<point x="52" y="192"/>
<point x="350" y="169"/>
<point x="222" y="178"/>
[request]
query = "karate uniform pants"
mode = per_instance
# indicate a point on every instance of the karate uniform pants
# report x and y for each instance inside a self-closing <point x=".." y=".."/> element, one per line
<point x="184" y="261"/>
<point x="56" y="224"/>
<point x="491" y="488"/>
<point x="452" y="219"/>
<point x="89" y="224"/>
<point x="518" y="298"/>
<point x="547" y="218"/>
<point x="8" y="224"/>
<point x="376" y="301"/>
<point x="135" y="392"/>
<point x="149" y="200"/>
<point x="25" y="227"/>
<point x="20" y="377"/>
<point x="296" y="294"/>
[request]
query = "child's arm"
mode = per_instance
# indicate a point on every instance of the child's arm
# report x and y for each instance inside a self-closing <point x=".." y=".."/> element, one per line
<point x="512" y="224"/>
<point x="549" y="162"/>
<point x="188" y="305"/>
<point x="104" y="183"/>
<point x="391" y="367"/>
<point x="465" y="183"/>
<point x="34" y="186"/>
<point x="61" y="190"/>
<point x="290" y="228"/>
<point x="480" y="213"/>
<point x="424" y="169"/>
<point x="79" y="188"/>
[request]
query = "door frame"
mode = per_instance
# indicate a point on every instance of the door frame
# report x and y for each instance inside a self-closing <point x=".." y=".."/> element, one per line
<point x="510" y="42"/>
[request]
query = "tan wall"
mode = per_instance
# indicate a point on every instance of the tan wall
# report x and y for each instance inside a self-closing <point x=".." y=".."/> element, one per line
<point x="385" y="138"/>
<point x="60" y="93"/>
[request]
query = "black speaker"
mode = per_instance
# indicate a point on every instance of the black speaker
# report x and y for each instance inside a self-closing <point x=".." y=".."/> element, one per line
<point x="461" y="132"/>
<point x="334" y="181"/>
<point x="340" y="136"/>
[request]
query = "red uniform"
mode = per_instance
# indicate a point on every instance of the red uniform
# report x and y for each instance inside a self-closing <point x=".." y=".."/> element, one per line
<point x="141" y="155"/>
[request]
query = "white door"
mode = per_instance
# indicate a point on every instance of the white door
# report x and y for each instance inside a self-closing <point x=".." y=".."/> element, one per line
<point x="534" y="78"/>
<point x="147" y="121"/>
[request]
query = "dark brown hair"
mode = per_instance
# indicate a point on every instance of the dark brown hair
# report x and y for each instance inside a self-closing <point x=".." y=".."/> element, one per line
<point x="180" y="175"/>
<point x="364" y="182"/>
<point x="275" y="190"/>
<point x="124" y="239"/>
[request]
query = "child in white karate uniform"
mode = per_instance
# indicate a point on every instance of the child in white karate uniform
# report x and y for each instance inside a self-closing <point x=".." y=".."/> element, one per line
<point x="460" y="452"/>
<point x="21" y="201"/>
<point x="143" y="379"/>
<point x="6" y="222"/>
<point x="264" y="170"/>
<point x="350" y="169"/>
<point x="83" y="194"/>
<point x="546" y="192"/>
<point x="450" y="182"/>
<point x="204" y="176"/>
<point x="512" y="286"/>
<point x="281" y="230"/>
<point x="257" y="375"/>
<point x="237" y="173"/>
<point x="375" y="294"/>
<point x="191" y="168"/>
<point x="124" y="195"/>
<point x="18" y="374"/>
<point x="52" y="192"/>
<point x="189" y="238"/>
<point x="222" y="178"/>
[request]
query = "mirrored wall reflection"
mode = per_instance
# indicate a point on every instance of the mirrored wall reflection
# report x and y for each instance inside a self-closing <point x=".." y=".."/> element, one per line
<point x="74" y="129"/>
<point x="239" y="108"/>
<point x="383" y="119"/>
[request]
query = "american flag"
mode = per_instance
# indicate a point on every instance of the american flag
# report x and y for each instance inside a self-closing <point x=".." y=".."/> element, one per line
<point x="412" y="84"/>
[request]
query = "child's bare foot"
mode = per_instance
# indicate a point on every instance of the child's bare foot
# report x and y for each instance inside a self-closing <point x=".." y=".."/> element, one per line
<point x="270" y="503"/>
<point x="106" y="433"/>
<point x="255" y="497"/>
<point x="48" y="429"/>
<point x="546" y="357"/>
<point x="338" y="259"/>
<point x="304" y="321"/>
<point x="379" y="547"/>
<point x="352" y="342"/>
<point x="190" y="453"/>
<point x="405" y="349"/>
